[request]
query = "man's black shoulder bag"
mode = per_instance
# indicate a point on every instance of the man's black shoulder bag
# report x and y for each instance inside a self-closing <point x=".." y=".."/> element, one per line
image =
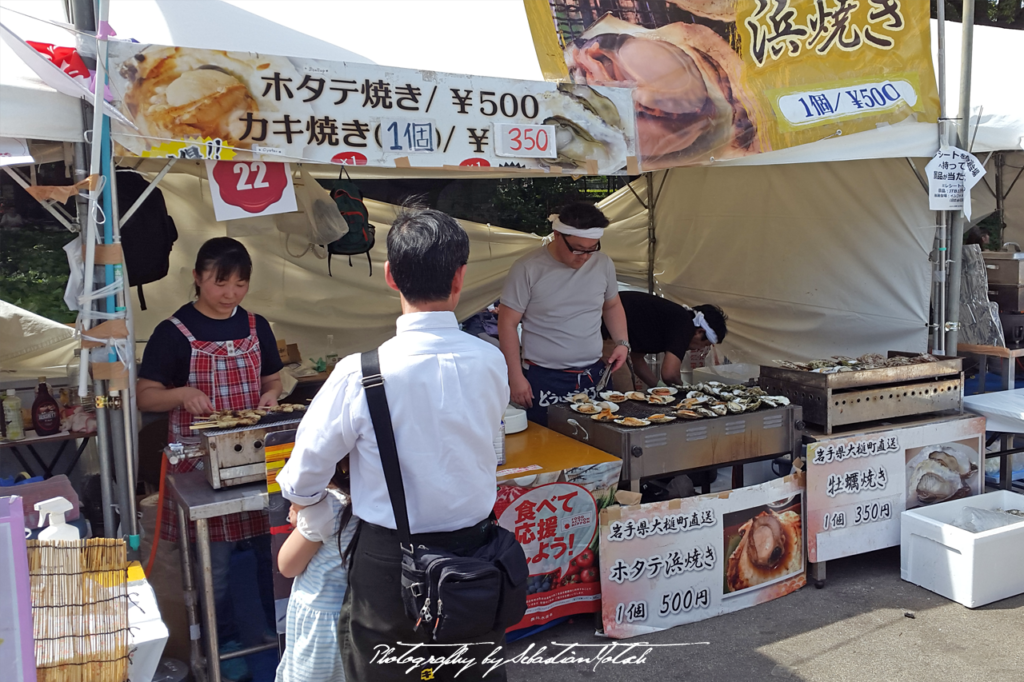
<point x="451" y="598"/>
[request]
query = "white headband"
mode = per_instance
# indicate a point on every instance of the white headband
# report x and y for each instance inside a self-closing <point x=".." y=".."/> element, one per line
<point x="699" y="321"/>
<point x="558" y="226"/>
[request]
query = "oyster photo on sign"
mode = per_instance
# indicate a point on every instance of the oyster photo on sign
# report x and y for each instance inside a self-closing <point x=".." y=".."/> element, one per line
<point x="587" y="127"/>
<point x="687" y="93"/>
<point x="939" y="473"/>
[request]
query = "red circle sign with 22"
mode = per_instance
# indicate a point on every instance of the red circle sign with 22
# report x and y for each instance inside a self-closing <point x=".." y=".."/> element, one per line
<point x="252" y="186"/>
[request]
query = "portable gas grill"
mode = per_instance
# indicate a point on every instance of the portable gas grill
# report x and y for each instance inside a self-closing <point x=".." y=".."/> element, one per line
<point x="846" y="398"/>
<point x="235" y="456"/>
<point x="683" y="445"/>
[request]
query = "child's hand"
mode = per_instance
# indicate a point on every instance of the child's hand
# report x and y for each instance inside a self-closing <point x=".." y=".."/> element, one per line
<point x="293" y="515"/>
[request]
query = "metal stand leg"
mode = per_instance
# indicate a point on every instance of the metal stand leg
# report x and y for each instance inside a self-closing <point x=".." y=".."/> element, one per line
<point x="982" y="371"/>
<point x="1009" y="377"/>
<point x="737" y="476"/>
<point x="634" y="485"/>
<point x="196" y="662"/>
<point x="209" y="606"/>
<point x="818" y="574"/>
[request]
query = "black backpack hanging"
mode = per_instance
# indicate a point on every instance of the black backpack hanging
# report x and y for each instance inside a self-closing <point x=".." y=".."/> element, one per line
<point x="360" y="236"/>
<point x="148" y="236"/>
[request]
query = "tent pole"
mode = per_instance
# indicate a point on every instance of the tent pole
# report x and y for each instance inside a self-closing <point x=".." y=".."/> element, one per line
<point x="1000" y="196"/>
<point x="938" y="333"/>
<point x="651" y="239"/>
<point x="963" y="128"/>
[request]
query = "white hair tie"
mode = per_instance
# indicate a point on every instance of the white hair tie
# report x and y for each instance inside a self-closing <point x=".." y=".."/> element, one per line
<point x="558" y="226"/>
<point x="699" y="321"/>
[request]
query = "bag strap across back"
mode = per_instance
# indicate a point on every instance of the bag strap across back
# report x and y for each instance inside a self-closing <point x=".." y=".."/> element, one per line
<point x="380" y="415"/>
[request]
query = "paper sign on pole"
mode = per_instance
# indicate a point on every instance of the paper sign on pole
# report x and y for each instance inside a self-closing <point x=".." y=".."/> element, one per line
<point x="858" y="485"/>
<point x="952" y="174"/>
<point x="670" y="563"/>
<point x="244" y="189"/>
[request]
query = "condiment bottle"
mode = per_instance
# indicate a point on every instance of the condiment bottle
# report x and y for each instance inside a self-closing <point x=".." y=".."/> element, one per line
<point x="45" y="411"/>
<point x="14" y="426"/>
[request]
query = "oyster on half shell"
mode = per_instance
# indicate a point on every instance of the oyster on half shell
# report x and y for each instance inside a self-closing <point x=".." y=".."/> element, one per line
<point x="938" y="474"/>
<point x="586" y="128"/>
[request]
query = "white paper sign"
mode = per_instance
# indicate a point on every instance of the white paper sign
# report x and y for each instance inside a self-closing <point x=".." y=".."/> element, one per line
<point x="952" y="173"/>
<point x="665" y="564"/>
<point x="243" y="189"/>
<point x="858" y="485"/>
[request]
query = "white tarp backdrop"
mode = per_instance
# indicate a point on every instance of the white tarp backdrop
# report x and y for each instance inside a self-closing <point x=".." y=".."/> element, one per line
<point x="803" y="266"/>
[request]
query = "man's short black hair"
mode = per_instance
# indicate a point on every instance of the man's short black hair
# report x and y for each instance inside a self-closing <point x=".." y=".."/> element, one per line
<point x="716" y="318"/>
<point x="583" y="216"/>
<point x="425" y="249"/>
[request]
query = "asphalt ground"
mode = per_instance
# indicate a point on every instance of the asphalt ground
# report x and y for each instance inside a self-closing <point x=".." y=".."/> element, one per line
<point x="865" y="625"/>
<point x="855" y="629"/>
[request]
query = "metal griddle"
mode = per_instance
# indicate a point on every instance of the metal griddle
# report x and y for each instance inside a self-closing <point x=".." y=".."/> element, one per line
<point x="236" y="456"/>
<point x="844" y="398"/>
<point x="683" y="445"/>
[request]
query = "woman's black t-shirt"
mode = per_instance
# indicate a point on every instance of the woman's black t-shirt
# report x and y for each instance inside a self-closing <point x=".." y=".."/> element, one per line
<point x="656" y="324"/>
<point x="168" y="353"/>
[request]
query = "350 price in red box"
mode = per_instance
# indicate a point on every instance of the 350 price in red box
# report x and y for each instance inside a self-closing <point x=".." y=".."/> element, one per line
<point x="525" y="141"/>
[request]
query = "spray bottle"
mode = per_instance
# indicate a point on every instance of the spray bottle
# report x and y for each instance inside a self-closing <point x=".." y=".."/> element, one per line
<point x="55" y="507"/>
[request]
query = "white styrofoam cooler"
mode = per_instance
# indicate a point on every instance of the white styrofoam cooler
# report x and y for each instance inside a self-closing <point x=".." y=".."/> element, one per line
<point x="973" y="569"/>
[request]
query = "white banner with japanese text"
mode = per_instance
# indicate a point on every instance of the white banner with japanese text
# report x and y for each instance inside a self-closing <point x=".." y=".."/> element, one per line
<point x="669" y="563"/>
<point x="858" y="485"/>
<point x="236" y="106"/>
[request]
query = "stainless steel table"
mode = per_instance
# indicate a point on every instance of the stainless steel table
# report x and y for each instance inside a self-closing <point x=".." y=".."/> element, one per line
<point x="198" y="502"/>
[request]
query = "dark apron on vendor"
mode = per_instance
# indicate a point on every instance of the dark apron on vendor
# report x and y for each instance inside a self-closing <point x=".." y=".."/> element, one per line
<point x="229" y="373"/>
<point x="553" y="386"/>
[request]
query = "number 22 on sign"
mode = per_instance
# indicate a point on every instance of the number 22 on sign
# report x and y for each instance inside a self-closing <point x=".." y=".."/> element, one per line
<point x="525" y="141"/>
<point x="243" y="189"/>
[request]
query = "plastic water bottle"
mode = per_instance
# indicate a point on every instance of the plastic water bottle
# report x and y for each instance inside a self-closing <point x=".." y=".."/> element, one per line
<point x="499" y="444"/>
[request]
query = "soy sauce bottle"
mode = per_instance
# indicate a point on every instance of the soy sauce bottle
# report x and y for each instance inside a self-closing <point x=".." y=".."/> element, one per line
<point x="45" y="412"/>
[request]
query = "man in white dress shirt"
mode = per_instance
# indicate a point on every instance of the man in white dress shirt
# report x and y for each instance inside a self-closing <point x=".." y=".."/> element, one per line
<point x="447" y="392"/>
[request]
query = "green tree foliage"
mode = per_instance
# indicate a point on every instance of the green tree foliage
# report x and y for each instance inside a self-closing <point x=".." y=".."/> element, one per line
<point x="34" y="270"/>
<point x="1002" y="13"/>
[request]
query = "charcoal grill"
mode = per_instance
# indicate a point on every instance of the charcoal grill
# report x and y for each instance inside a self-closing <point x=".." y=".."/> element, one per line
<point x="845" y="398"/>
<point x="682" y="445"/>
<point x="235" y="456"/>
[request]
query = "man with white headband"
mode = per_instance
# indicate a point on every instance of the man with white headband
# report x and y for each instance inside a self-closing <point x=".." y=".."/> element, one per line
<point x="561" y="292"/>
<point x="657" y="325"/>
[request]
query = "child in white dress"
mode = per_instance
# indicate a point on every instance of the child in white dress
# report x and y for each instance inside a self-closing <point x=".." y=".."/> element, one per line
<point x="315" y="555"/>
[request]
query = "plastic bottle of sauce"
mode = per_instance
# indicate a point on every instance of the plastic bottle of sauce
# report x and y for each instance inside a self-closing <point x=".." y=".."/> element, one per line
<point x="14" y="426"/>
<point x="45" y="411"/>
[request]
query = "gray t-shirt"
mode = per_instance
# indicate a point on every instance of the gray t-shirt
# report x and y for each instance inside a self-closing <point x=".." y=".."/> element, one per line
<point x="561" y="307"/>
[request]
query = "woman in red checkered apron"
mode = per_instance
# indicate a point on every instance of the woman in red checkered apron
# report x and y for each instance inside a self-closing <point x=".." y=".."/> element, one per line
<point x="212" y="355"/>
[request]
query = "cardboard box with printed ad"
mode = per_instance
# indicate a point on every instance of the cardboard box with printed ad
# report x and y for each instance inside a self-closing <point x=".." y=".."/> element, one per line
<point x="551" y="490"/>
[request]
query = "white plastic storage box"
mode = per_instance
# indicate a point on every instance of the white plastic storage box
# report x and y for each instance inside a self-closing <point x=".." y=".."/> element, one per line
<point x="973" y="569"/>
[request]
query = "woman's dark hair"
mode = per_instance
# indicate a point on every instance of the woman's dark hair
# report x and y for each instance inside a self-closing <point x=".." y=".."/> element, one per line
<point x="341" y="482"/>
<point x="583" y="216"/>
<point x="425" y="250"/>
<point x="716" y="318"/>
<point x="225" y="257"/>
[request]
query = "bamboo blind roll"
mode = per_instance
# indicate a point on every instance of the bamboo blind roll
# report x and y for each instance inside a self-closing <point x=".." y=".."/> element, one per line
<point x="79" y="609"/>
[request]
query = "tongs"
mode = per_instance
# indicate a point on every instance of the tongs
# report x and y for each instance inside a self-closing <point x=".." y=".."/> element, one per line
<point x="605" y="376"/>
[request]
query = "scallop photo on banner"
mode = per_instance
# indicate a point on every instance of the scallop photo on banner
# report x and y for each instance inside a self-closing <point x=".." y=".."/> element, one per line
<point x="764" y="545"/>
<point x="943" y="472"/>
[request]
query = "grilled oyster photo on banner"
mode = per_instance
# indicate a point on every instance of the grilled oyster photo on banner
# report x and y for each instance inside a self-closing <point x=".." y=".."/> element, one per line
<point x="689" y="102"/>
